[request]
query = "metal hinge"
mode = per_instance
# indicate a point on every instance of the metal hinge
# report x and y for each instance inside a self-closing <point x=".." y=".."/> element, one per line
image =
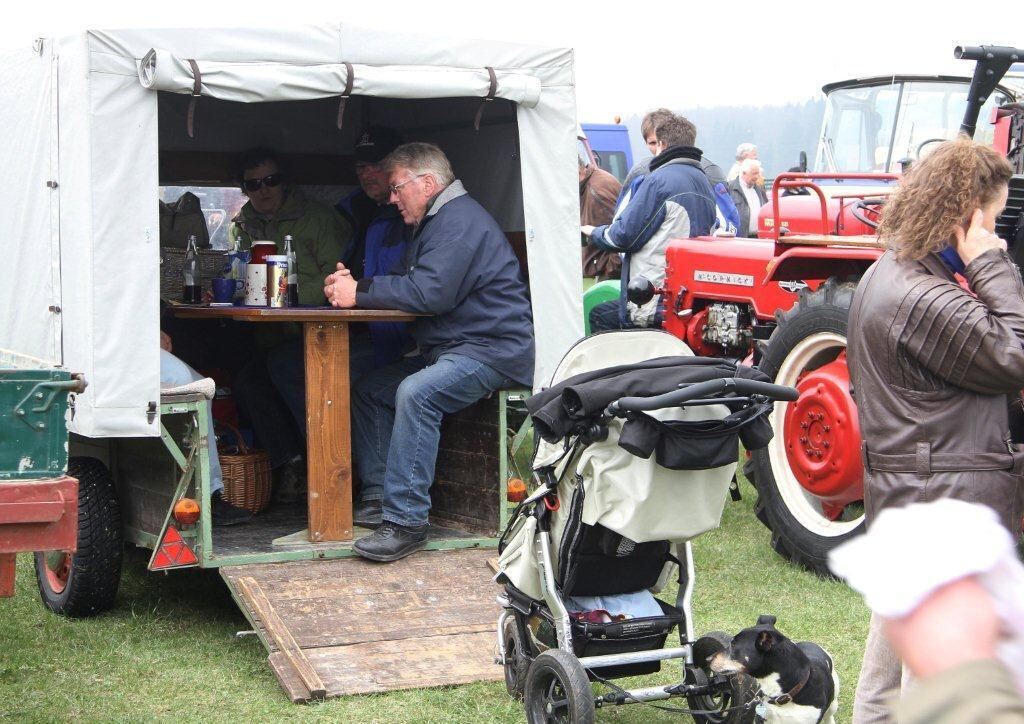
<point x="151" y="412"/>
<point x="51" y="184"/>
<point x="54" y="308"/>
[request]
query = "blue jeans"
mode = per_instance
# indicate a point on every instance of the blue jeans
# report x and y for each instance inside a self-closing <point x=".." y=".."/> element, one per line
<point x="174" y="372"/>
<point x="396" y="426"/>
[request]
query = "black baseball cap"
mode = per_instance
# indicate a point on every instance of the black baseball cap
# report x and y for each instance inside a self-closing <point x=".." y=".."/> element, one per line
<point x="376" y="142"/>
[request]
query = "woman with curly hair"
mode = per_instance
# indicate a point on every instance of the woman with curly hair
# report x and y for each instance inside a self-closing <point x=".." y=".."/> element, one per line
<point x="932" y="362"/>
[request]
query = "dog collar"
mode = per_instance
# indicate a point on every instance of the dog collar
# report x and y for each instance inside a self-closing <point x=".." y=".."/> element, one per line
<point x="783" y="699"/>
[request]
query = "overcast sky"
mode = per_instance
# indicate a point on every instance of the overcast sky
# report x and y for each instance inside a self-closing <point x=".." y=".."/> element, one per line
<point x="630" y="56"/>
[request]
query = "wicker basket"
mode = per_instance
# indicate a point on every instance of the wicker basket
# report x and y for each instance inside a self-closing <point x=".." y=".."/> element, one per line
<point x="246" y="475"/>
<point x="210" y="261"/>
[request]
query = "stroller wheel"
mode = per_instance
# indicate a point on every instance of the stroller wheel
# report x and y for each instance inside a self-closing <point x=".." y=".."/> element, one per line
<point x="516" y="662"/>
<point x="558" y="690"/>
<point x="729" y="706"/>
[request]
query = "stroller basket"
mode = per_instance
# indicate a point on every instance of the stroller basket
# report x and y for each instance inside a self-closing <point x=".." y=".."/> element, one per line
<point x="647" y="633"/>
<point x="635" y="634"/>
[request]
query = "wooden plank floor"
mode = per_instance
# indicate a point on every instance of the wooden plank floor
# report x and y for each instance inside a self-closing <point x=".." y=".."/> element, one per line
<point x="365" y="627"/>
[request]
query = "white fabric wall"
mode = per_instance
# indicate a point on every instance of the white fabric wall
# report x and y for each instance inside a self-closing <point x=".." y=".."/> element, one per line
<point x="29" y="244"/>
<point x="109" y="182"/>
<point x="109" y="227"/>
<point x="547" y="140"/>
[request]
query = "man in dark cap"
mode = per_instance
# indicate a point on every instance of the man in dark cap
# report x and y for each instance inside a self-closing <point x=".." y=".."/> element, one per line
<point x="377" y="243"/>
<point x="379" y="238"/>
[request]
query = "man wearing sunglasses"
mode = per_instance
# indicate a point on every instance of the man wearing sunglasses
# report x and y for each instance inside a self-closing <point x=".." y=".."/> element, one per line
<point x="276" y="209"/>
<point x="320" y="237"/>
<point x="476" y="337"/>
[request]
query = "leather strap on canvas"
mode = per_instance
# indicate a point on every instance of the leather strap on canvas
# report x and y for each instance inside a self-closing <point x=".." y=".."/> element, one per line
<point x="487" y="99"/>
<point x="197" y="91"/>
<point x="349" y="80"/>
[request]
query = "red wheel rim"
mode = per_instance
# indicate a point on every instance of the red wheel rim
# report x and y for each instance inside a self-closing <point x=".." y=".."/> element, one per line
<point x="58" y="570"/>
<point x="823" y="438"/>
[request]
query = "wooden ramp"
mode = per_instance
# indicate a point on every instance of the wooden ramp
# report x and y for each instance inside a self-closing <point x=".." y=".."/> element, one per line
<point x="350" y="626"/>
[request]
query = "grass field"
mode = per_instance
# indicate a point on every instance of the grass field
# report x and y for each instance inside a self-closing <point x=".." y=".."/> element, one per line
<point x="168" y="651"/>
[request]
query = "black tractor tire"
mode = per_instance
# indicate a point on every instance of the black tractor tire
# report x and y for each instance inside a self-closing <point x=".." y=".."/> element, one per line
<point x="802" y="533"/>
<point x="85" y="583"/>
<point x="558" y="690"/>
<point x="732" y="707"/>
<point x="517" y="663"/>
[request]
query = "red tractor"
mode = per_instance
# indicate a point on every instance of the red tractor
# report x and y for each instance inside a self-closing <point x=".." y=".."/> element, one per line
<point x="783" y="299"/>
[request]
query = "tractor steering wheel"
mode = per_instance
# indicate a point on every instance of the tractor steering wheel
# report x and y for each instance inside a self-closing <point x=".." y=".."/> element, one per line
<point x="867" y="211"/>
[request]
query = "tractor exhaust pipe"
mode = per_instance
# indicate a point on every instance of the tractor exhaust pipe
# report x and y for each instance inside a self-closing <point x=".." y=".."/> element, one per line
<point x="993" y="62"/>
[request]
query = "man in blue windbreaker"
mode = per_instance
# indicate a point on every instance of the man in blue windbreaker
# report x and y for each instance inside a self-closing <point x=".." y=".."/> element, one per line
<point x="378" y="239"/>
<point x="476" y="337"/>
<point x="674" y="201"/>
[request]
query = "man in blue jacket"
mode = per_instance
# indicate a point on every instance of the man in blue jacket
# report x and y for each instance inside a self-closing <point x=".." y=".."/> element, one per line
<point x="674" y="201"/>
<point x="378" y="239"/>
<point x="477" y="338"/>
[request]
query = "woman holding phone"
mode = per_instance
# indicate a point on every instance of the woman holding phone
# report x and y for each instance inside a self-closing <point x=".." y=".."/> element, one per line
<point x="936" y="345"/>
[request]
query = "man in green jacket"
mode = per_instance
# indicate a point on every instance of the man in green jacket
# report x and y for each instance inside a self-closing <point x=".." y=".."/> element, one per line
<point x="319" y="238"/>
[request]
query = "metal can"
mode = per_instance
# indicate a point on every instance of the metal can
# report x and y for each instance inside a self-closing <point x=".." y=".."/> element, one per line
<point x="277" y="280"/>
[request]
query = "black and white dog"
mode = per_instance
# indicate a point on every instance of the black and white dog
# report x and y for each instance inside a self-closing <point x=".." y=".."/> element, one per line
<point x="798" y="679"/>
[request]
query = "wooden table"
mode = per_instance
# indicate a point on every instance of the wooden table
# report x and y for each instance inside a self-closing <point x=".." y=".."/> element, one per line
<point x="328" y="425"/>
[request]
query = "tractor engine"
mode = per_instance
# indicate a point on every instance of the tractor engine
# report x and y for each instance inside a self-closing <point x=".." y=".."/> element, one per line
<point x="728" y="327"/>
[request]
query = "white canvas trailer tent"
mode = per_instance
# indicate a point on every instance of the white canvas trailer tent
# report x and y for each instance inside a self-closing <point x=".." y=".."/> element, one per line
<point x="96" y="124"/>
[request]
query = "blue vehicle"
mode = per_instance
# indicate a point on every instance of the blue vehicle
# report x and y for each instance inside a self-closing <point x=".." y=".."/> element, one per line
<point x="610" y="145"/>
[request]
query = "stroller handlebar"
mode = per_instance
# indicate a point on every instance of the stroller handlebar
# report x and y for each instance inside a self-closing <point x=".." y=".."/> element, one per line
<point x="703" y="389"/>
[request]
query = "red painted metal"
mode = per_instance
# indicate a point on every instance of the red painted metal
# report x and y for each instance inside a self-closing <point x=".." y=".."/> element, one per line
<point x="823" y="438"/>
<point x="695" y="335"/>
<point x="38" y="515"/>
<point x="798" y="216"/>
<point x="58" y="570"/>
<point x="1002" y="119"/>
<point x="818" y="263"/>
<point x="7" y="570"/>
<point x="173" y="552"/>
<point x="730" y="270"/>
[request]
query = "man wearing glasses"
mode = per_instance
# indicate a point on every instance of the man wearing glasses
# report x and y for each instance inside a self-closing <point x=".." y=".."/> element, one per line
<point x="477" y="337"/>
<point x="319" y="238"/>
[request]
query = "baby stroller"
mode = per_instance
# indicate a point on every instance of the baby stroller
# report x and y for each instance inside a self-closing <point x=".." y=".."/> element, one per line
<point x="636" y="460"/>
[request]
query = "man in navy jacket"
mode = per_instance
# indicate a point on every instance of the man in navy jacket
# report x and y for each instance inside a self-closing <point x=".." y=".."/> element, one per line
<point x="378" y="238"/>
<point x="477" y="337"/>
<point x="674" y="201"/>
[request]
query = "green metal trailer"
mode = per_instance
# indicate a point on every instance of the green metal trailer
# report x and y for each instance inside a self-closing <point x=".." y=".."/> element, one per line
<point x="38" y="501"/>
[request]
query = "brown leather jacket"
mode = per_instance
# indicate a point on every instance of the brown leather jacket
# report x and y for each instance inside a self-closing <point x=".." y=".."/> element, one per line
<point x="931" y="366"/>
<point x="599" y="191"/>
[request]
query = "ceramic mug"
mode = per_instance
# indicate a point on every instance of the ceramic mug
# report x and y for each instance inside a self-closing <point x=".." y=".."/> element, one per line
<point x="223" y="290"/>
<point x="256" y="285"/>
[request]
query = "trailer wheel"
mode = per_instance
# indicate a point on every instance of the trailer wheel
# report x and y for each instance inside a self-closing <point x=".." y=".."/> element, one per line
<point x="558" y="690"/>
<point x="85" y="583"/>
<point x="728" y="707"/>
<point x="810" y="478"/>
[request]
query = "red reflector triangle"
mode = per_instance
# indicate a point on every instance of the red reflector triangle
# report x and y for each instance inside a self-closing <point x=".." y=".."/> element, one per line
<point x="173" y="552"/>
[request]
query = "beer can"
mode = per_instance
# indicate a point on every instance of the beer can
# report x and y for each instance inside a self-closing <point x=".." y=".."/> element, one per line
<point x="277" y="280"/>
